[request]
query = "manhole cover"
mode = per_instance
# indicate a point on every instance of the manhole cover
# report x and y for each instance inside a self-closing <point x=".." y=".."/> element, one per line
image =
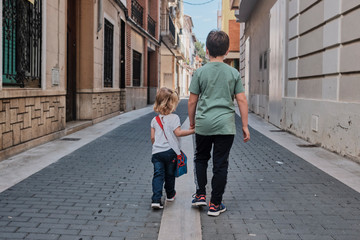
<point x="70" y="139"/>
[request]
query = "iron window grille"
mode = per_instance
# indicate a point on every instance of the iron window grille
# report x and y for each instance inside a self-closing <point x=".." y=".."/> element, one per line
<point x="136" y="68"/>
<point x="137" y="12"/>
<point x="21" y="42"/>
<point x="108" y="53"/>
<point x="151" y="26"/>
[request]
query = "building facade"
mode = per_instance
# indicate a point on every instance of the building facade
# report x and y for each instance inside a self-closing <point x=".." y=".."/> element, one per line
<point x="229" y="25"/>
<point x="66" y="61"/>
<point x="174" y="69"/>
<point x="142" y="52"/>
<point x="301" y="68"/>
<point x="188" y="39"/>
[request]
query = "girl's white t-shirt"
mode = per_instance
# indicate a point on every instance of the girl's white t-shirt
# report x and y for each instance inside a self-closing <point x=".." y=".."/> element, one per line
<point x="170" y="123"/>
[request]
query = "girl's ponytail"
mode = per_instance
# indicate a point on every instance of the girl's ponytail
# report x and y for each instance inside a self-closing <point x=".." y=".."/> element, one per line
<point x="166" y="101"/>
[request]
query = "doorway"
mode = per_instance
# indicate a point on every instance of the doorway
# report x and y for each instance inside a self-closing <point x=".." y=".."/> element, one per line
<point x="71" y="61"/>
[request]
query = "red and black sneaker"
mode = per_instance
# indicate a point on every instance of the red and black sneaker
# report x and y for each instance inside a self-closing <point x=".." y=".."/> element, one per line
<point x="215" y="210"/>
<point x="199" y="200"/>
<point x="171" y="199"/>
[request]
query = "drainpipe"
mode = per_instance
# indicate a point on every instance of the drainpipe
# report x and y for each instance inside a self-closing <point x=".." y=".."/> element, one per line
<point x="100" y="13"/>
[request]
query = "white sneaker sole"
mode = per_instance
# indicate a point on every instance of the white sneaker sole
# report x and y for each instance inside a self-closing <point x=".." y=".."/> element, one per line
<point x="199" y="204"/>
<point x="215" y="214"/>
<point x="156" y="206"/>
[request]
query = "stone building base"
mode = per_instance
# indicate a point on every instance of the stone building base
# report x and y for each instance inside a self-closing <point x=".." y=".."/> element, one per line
<point x="25" y="119"/>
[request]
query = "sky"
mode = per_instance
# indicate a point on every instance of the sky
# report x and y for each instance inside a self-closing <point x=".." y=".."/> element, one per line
<point x="204" y="16"/>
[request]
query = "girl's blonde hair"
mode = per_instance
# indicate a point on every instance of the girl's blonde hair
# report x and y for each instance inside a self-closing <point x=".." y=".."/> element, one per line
<point x="166" y="101"/>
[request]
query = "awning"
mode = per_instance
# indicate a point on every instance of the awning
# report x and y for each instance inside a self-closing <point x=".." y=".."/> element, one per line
<point x="232" y="55"/>
<point x="245" y="9"/>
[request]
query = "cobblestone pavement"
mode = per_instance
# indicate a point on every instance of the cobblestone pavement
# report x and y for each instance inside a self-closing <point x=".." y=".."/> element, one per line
<point x="272" y="194"/>
<point x="100" y="191"/>
<point x="103" y="190"/>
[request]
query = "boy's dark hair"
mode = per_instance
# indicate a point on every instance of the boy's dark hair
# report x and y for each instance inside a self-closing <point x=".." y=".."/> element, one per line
<point x="217" y="42"/>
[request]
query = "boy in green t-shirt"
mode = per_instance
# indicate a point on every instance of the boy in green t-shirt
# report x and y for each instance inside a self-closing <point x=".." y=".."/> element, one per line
<point x="212" y="92"/>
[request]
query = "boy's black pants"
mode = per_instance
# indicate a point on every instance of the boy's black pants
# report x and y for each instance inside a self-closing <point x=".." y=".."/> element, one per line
<point x="222" y="145"/>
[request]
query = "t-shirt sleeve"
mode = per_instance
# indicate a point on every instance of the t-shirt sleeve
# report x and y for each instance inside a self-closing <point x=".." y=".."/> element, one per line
<point x="176" y="122"/>
<point x="195" y="84"/>
<point x="152" y="123"/>
<point x="239" y="88"/>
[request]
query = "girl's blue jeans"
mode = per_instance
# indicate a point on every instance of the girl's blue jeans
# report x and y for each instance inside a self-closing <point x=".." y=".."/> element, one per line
<point x="164" y="171"/>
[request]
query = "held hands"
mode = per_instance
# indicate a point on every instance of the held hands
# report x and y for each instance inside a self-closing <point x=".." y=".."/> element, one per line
<point x="191" y="130"/>
<point x="246" y="133"/>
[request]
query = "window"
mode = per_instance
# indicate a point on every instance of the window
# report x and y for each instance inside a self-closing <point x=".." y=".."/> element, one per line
<point x="260" y="62"/>
<point x="108" y="53"/>
<point x="21" y="42"/>
<point x="265" y="60"/>
<point x="136" y="68"/>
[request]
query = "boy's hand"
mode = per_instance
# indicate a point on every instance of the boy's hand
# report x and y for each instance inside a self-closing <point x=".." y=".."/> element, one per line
<point x="246" y="134"/>
<point x="192" y="126"/>
<point x="192" y="130"/>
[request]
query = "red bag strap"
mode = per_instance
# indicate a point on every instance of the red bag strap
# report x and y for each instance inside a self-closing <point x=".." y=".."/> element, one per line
<point x="160" y="124"/>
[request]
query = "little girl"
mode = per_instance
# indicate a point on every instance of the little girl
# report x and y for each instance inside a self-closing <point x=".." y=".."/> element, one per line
<point x="165" y="146"/>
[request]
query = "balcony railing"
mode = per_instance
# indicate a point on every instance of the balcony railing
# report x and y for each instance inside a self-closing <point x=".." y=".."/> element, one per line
<point x="151" y="26"/>
<point x="137" y="12"/>
<point x="180" y="47"/>
<point x="167" y="25"/>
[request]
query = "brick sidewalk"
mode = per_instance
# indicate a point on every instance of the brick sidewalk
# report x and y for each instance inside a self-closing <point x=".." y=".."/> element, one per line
<point x="103" y="191"/>
<point x="273" y="194"/>
<point x="100" y="191"/>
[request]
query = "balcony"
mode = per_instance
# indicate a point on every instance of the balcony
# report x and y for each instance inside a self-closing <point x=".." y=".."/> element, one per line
<point x="245" y="9"/>
<point x="151" y="26"/>
<point x="180" y="48"/>
<point x="167" y="29"/>
<point x="137" y="12"/>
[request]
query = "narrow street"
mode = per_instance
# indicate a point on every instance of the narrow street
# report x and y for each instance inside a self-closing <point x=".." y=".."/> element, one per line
<point x="102" y="190"/>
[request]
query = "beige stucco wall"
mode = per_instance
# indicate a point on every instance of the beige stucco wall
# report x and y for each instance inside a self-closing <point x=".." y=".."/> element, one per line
<point x="55" y="38"/>
<point x="226" y="15"/>
<point x="93" y="99"/>
<point x="257" y="28"/>
<point x="167" y="68"/>
<point x="31" y="116"/>
<point x="321" y="101"/>
<point x="324" y="74"/>
<point x="136" y="97"/>
<point x="113" y="15"/>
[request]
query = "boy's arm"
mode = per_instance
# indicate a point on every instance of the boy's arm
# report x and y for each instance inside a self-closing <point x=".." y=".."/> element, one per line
<point x="152" y="135"/>
<point x="181" y="133"/>
<point x="193" y="99"/>
<point x="243" y="107"/>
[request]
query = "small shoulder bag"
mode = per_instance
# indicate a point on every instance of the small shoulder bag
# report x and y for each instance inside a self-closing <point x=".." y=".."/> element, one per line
<point x="181" y="166"/>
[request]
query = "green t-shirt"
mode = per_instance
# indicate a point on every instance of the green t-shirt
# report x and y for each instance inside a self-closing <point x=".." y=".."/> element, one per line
<point x="216" y="83"/>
